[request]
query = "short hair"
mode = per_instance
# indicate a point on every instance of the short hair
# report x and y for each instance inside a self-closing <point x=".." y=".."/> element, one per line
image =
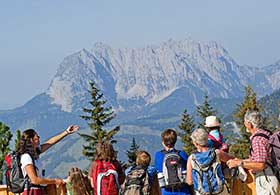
<point x="169" y="137"/>
<point x="143" y="158"/>
<point x="254" y="117"/>
<point x="200" y="136"/>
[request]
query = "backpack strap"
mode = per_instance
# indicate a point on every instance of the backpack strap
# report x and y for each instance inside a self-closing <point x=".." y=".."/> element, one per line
<point x="217" y="142"/>
<point x="257" y="134"/>
<point x="203" y="168"/>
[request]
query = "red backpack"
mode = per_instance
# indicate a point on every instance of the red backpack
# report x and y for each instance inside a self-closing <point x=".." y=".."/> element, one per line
<point x="105" y="179"/>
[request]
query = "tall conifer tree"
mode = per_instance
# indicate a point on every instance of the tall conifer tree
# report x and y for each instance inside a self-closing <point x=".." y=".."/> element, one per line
<point x="132" y="153"/>
<point x="204" y="110"/>
<point x="18" y="135"/>
<point x="242" y="144"/>
<point x="97" y="116"/>
<point x="187" y="126"/>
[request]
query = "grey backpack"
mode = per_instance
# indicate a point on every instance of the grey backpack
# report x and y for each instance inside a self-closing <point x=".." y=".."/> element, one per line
<point x="137" y="182"/>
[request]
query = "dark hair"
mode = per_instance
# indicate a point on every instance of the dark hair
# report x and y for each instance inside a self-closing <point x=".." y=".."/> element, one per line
<point x="105" y="152"/>
<point x="25" y="144"/>
<point x="80" y="183"/>
<point x="213" y="128"/>
<point x="169" y="137"/>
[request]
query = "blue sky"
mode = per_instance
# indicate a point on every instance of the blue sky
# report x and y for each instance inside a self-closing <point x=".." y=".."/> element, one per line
<point x="35" y="35"/>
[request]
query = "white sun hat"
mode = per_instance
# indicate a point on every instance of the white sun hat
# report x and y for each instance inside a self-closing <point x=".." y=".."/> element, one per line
<point x="212" y="121"/>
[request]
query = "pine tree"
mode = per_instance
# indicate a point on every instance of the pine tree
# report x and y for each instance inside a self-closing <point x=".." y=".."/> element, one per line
<point x="98" y="115"/>
<point x="5" y="138"/>
<point x="132" y="153"/>
<point x="187" y="126"/>
<point x="204" y="110"/>
<point x="18" y="135"/>
<point x="242" y="144"/>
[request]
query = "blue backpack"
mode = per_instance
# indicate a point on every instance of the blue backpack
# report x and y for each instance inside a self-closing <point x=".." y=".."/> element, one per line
<point x="207" y="173"/>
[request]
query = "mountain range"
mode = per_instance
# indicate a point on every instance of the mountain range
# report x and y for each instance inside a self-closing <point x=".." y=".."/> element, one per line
<point x="148" y="88"/>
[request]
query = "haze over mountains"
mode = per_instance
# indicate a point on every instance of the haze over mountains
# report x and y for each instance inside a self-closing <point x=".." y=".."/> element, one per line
<point x="147" y="87"/>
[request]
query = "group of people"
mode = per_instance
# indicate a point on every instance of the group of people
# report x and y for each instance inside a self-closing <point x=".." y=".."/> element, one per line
<point x="174" y="172"/>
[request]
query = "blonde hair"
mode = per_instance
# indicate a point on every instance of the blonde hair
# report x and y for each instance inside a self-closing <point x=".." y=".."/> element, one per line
<point x="80" y="183"/>
<point x="143" y="158"/>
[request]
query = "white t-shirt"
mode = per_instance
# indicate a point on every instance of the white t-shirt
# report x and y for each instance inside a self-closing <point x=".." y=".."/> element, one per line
<point x="26" y="159"/>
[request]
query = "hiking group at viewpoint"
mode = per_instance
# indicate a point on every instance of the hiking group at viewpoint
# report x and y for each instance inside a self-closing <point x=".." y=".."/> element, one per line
<point x="203" y="172"/>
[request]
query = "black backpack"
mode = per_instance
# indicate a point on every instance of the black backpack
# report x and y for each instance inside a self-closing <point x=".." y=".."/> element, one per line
<point x="172" y="169"/>
<point x="13" y="174"/>
<point x="137" y="182"/>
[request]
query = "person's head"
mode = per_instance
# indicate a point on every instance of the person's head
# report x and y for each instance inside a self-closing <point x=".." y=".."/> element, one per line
<point x="29" y="143"/>
<point x="200" y="137"/>
<point x="143" y="158"/>
<point x="212" y="123"/>
<point x="253" y="120"/>
<point x="105" y="151"/>
<point x="79" y="182"/>
<point x="169" y="138"/>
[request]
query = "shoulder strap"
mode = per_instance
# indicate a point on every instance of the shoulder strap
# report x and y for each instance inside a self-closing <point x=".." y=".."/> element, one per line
<point x="257" y="134"/>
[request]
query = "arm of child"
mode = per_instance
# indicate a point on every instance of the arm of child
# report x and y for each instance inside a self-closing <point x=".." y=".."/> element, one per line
<point x="189" y="180"/>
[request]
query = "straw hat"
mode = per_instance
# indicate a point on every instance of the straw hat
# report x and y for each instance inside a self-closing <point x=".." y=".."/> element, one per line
<point x="212" y="121"/>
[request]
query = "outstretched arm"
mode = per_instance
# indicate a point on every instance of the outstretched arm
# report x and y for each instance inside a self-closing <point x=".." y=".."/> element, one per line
<point x="71" y="129"/>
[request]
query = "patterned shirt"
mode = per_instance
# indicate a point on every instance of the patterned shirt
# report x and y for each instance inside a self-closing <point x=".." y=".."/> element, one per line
<point x="261" y="151"/>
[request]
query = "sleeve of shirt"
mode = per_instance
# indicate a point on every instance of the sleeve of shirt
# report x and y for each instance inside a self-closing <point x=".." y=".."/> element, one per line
<point x="158" y="161"/>
<point x="259" y="153"/>
<point x="26" y="160"/>
<point x="184" y="157"/>
<point x="127" y="170"/>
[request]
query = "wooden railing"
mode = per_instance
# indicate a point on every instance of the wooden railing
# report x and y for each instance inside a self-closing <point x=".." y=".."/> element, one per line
<point x="238" y="187"/>
<point x="51" y="190"/>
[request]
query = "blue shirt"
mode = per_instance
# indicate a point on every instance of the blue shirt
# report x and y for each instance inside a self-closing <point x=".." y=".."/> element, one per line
<point x="216" y="134"/>
<point x="159" y="156"/>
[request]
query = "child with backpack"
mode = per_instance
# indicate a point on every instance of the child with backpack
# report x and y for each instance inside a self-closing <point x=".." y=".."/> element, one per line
<point x="106" y="173"/>
<point x="215" y="138"/>
<point x="77" y="183"/>
<point x="171" y="166"/>
<point x="142" y="178"/>
<point x="26" y="174"/>
<point x="204" y="170"/>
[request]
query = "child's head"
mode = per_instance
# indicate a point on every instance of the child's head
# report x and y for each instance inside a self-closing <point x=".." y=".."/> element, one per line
<point x="212" y="123"/>
<point x="79" y="182"/>
<point x="143" y="158"/>
<point x="169" y="138"/>
<point x="105" y="151"/>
